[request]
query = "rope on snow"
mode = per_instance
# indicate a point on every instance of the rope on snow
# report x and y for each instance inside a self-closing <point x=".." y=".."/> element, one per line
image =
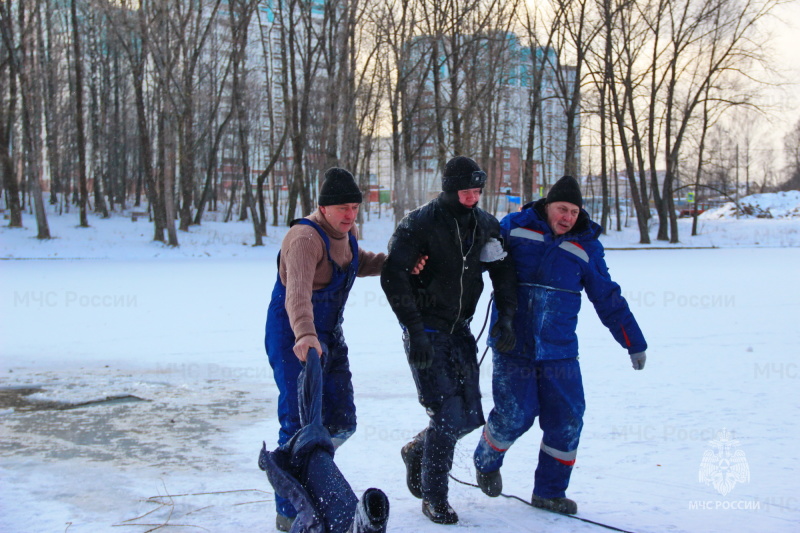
<point x="514" y="497"/>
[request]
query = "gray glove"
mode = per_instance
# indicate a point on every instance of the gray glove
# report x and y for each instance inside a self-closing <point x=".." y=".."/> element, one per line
<point x="492" y="251"/>
<point x="638" y="359"/>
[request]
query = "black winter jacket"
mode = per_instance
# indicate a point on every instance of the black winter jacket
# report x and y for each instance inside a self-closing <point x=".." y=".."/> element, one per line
<point x="444" y="295"/>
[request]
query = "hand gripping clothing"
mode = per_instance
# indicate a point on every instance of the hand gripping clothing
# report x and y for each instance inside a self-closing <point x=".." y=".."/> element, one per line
<point x="338" y="409"/>
<point x="541" y="375"/>
<point x="303" y="470"/>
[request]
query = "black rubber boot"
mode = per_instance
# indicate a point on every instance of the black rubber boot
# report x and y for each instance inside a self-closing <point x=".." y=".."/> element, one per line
<point x="491" y="483"/>
<point x="412" y="457"/>
<point x="372" y="513"/>
<point x="557" y="505"/>
<point x="439" y="513"/>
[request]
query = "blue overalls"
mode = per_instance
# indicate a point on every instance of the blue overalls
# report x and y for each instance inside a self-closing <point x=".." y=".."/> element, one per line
<point x="541" y="376"/>
<point x="338" y="409"/>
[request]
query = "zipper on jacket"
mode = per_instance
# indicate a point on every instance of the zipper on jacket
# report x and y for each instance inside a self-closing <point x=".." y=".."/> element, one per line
<point x="463" y="267"/>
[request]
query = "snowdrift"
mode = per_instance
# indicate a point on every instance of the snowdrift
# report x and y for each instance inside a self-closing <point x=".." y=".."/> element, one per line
<point x="768" y="205"/>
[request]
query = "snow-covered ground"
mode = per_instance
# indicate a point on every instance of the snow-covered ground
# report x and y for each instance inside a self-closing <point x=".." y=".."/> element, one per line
<point x="182" y="330"/>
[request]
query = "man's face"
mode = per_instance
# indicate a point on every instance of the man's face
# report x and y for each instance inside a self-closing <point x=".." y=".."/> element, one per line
<point x="469" y="197"/>
<point x="341" y="217"/>
<point x="561" y="216"/>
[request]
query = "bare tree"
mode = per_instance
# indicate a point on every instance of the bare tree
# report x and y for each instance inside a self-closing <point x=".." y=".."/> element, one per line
<point x="9" y="68"/>
<point x="96" y="112"/>
<point x="52" y="57"/>
<point x="215" y="131"/>
<point x="79" y="126"/>
<point x="363" y="111"/>
<point x="575" y="28"/>
<point x="792" y="143"/>
<point x="132" y="28"/>
<point x="726" y="40"/>
<point x="624" y="46"/>
<point x="193" y="23"/>
<point x="540" y="63"/>
<point x="457" y="30"/>
<point x="241" y="12"/>
<point x="300" y="47"/>
<point x="275" y="128"/>
<point x="163" y="43"/>
<point x="31" y="91"/>
<point x="406" y="73"/>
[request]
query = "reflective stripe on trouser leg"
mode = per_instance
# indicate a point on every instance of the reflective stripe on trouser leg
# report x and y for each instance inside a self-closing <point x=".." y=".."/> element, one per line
<point x="490" y="452"/>
<point x="561" y="420"/>
<point x="516" y="405"/>
<point x="552" y="476"/>
<point x="565" y="458"/>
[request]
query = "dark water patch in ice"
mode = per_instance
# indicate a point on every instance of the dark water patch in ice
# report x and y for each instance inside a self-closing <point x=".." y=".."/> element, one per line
<point x="17" y="398"/>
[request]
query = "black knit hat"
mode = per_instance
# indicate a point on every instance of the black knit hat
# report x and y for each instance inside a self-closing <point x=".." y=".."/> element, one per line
<point x="462" y="173"/>
<point x="339" y="187"/>
<point x="565" y="189"/>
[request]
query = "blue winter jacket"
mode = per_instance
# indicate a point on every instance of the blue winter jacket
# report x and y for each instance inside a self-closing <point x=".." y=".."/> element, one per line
<point x="551" y="273"/>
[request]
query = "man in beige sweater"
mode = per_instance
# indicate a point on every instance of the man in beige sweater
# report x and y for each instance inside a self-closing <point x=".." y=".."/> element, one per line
<point x="317" y="264"/>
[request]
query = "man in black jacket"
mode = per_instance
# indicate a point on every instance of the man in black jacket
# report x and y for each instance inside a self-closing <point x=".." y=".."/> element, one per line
<point x="461" y="241"/>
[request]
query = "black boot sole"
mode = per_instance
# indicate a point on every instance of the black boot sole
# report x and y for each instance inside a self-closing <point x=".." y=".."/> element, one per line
<point x="555" y="505"/>
<point x="447" y="517"/>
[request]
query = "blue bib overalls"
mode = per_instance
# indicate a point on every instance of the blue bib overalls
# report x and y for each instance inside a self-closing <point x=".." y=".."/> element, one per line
<point x="338" y="409"/>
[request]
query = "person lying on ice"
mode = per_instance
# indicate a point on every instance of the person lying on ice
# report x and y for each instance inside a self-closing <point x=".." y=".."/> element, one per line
<point x="461" y="241"/>
<point x="303" y="470"/>
<point x="317" y="264"/>
<point x="556" y="253"/>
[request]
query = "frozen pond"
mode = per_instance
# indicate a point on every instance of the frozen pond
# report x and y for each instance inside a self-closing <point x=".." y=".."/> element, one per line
<point x="161" y="364"/>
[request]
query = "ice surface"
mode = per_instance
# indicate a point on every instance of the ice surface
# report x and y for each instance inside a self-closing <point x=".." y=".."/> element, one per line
<point x="183" y="329"/>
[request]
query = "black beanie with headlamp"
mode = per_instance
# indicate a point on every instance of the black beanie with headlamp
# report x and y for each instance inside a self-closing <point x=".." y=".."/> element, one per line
<point x="462" y="173"/>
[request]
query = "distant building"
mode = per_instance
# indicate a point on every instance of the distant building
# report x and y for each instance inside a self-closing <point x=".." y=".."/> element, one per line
<point x="524" y="69"/>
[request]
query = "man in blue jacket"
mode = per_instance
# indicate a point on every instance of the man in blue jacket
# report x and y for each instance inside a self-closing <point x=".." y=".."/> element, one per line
<point x="556" y="252"/>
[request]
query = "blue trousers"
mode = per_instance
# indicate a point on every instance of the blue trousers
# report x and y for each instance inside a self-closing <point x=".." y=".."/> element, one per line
<point x="524" y="389"/>
<point x="338" y="407"/>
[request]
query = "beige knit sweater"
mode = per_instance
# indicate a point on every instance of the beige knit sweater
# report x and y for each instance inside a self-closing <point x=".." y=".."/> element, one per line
<point x="304" y="268"/>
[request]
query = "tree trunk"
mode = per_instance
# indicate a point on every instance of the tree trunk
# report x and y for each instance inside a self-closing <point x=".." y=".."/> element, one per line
<point x="7" y="114"/>
<point x="168" y="176"/>
<point x="239" y="23"/>
<point x="95" y="123"/>
<point x="80" y="131"/>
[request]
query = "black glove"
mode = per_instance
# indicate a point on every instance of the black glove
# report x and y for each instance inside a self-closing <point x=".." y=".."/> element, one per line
<point x="420" y="350"/>
<point x="503" y="331"/>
